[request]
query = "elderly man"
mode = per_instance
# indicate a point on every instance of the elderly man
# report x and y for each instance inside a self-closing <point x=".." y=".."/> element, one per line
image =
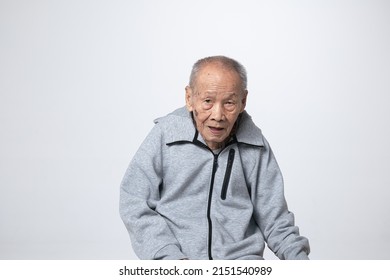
<point x="205" y="184"/>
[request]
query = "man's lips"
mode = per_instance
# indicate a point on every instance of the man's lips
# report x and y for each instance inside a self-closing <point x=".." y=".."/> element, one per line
<point x="216" y="130"/>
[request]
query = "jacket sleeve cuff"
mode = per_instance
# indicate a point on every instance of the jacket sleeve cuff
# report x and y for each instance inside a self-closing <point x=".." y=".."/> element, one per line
<point x="169" y="252"/>
<point x="302" y="256"/>
<point x="296" y="253"/>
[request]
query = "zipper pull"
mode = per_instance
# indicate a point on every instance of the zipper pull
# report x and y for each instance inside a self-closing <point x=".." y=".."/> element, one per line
<point x="215" y="164"/>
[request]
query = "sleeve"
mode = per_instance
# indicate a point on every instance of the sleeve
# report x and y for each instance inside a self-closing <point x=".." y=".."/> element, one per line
<point x="271" y="212"/>
<point x="139" y="193"/>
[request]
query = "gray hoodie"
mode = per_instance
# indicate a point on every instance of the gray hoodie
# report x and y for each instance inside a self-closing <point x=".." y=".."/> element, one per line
<point x="180" y="200"/>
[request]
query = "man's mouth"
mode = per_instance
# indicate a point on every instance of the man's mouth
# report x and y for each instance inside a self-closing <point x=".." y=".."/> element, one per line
<point x="216" y="130"/>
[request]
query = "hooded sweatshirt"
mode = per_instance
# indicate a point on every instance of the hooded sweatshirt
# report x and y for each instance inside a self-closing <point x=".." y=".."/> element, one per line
<point x="179" y="199"/>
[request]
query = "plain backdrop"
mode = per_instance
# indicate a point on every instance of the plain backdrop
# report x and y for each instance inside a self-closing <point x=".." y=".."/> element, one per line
<point x="81" y="82"/>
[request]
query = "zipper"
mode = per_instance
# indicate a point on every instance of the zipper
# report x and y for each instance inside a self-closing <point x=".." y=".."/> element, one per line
<point x="227" y="174"/>
<point x="214" y="170"/>
<point x="223" y="194"/>
<point x="215" y="166"/>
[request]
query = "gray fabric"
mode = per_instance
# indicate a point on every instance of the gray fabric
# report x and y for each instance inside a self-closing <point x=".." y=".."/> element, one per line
<point x="165" y="195"/>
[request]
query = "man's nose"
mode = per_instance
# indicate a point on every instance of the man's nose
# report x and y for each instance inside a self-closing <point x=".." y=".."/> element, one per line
<point x="217" y="113"/>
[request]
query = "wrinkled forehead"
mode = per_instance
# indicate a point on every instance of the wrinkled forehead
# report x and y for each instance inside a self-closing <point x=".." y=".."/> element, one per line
<point x="218" y="75"/>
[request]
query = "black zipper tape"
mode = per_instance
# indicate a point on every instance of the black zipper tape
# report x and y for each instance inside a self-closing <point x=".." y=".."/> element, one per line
<point x="215" y="166"/>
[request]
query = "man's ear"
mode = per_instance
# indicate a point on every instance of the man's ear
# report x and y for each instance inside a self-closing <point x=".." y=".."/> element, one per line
<point x="243" y="100"/>
<point x="189" y="99"/>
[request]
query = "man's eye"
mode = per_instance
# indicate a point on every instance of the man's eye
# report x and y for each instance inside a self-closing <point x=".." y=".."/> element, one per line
<point x="207" y="100"/>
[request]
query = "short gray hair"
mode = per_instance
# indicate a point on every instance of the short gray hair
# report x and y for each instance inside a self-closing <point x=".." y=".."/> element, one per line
<point x="226" y="62"/>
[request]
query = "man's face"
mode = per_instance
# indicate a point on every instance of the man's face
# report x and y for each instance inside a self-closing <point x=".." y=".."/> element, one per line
<point x="216" y="100"/>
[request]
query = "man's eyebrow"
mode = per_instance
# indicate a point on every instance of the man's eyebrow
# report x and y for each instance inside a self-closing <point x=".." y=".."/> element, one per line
<point x="233" y="94"/>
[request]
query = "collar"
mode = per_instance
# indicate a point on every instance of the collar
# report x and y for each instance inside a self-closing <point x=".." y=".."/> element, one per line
<point x="180" y="129"/>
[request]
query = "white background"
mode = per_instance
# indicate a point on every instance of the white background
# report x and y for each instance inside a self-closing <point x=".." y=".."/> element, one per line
<point x="81" y="82"/>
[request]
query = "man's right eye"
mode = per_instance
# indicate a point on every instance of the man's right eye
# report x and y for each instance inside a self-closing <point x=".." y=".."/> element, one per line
<point x="207" y="104"/>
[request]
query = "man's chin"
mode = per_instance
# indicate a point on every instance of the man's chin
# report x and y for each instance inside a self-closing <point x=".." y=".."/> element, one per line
<point x="215" y="142"/>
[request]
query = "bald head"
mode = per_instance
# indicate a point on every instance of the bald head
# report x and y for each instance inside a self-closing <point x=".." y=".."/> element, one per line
<point x="224" y="63"/>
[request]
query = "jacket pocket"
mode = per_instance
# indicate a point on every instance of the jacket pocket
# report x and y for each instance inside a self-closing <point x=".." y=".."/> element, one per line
<point x="227" y="174"/>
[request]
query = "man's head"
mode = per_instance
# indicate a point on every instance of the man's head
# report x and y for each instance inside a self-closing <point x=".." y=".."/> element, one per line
<point x="216" y="96"/>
